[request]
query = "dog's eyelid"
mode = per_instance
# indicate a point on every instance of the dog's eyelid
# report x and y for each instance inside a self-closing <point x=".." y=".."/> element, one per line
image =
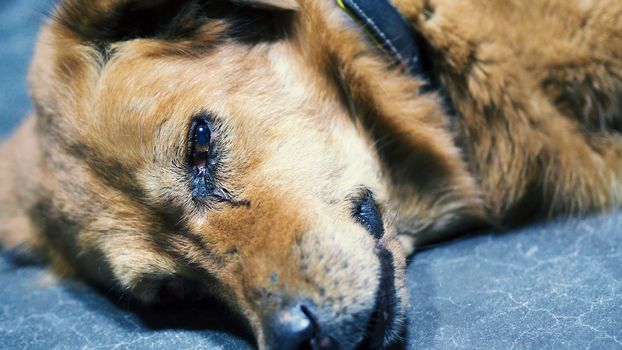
<point x="366" y="212"/>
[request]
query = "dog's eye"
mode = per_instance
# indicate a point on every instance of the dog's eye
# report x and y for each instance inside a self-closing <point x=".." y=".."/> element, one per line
<point x="366" y="213"/>
<point x="201" y="146"/>
<point x="203" y="161"/>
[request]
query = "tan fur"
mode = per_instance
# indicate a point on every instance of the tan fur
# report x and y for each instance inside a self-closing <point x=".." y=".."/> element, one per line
<point x="97" y="180"/>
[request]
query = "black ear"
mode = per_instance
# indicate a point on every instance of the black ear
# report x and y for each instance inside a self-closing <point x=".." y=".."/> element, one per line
<point x="116" y="20"/>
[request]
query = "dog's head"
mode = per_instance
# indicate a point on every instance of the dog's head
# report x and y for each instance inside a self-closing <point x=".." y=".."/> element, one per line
<point x="259" y="151"/>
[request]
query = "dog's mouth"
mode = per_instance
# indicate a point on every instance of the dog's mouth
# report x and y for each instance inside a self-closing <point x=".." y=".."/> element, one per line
<point x="381" y="325"/>
<point x="382" y="321"/>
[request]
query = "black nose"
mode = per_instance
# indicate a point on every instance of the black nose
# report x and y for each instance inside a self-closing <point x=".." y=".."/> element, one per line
<point x="292" y="328"/>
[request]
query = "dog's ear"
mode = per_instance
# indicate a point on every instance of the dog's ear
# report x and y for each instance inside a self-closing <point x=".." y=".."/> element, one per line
<point x="115" y="20"/>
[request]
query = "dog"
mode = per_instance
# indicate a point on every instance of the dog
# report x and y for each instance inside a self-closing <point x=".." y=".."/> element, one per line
<point x="270" y="154"/>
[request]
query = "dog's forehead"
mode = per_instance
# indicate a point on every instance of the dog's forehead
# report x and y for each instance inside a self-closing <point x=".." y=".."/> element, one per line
<point x="278" y="113"/>
<point x="235" y="83"/>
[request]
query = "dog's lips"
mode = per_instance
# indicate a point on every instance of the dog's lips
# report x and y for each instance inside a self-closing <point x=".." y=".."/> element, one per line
<point x="385" y="312"/>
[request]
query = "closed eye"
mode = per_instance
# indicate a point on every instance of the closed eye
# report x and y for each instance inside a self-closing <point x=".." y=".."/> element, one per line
<point x="366" y="212"/>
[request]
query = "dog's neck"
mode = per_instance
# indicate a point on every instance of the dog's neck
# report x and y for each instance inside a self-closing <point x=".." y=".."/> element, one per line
<point x="397" y="37"/>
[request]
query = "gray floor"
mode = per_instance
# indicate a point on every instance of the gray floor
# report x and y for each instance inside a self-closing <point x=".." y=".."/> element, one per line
<point x="555" y="286"/>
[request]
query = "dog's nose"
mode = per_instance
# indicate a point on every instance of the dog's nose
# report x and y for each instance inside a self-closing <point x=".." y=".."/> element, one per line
<point x="296" y="328"/>
<point x="292" y="328"/>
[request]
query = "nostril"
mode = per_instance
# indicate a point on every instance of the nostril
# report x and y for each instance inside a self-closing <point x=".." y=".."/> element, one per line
<point x="292" y="328"/>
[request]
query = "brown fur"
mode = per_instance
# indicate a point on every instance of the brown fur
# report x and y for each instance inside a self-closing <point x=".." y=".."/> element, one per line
<point x="538" y="88"/>
<point x="307" y="112"/>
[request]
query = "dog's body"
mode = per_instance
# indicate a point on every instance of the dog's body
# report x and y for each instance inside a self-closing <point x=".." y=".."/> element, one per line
<point x="252" y="148"/>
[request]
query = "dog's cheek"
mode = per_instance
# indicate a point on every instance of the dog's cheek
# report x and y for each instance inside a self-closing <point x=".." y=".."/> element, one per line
<point x="126" y="251"/>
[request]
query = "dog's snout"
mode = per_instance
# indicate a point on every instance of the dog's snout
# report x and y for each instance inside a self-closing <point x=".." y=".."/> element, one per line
<point x="315" y="296"/>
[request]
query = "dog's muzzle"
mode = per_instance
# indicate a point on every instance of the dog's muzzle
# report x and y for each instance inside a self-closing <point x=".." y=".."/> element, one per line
<point x="302" y="324"/>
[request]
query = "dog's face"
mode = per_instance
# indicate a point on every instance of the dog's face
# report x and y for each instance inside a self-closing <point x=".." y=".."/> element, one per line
<point x="212" y="147"/>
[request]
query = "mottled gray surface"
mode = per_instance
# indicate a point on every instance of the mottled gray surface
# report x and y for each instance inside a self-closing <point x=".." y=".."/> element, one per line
<point x="37" y="314"/>
<point x="19" y="23"/>
<point x="556" y="286"/>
